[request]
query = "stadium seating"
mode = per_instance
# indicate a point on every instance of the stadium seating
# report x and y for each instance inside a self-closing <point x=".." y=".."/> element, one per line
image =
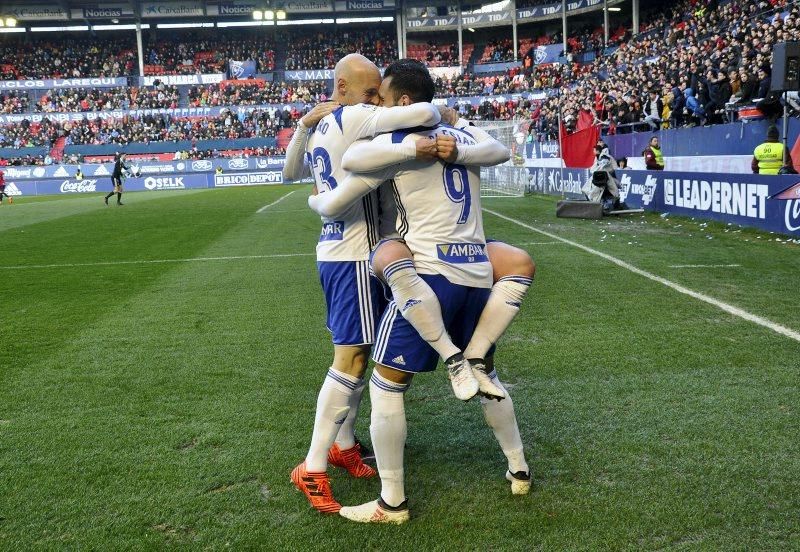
<point x="263" y="93"/>
<point x="714" y="51"/>
<point x="321" y="50"/>
<point x="101" y="99"/>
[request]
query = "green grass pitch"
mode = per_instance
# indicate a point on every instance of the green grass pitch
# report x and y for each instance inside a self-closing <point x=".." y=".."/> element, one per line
<point x="159" y="366"/>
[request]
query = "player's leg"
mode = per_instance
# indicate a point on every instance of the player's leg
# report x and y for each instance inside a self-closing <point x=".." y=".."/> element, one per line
<point x="513" y="275"/>
<point x="346" y="286"/>
<point x="500" y="416"/>
<point x="118" y="189"/>
<point x="393" y="263"/>
<point x="333" y="440"/>
<point x="113" y="190"/>
<point x="399" y="353"/>
<point x="388" y="429"/>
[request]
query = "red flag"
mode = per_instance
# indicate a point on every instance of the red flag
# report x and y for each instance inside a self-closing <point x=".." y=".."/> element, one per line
<point x="585" y="119"/>
<point x="795" y="153"/>
<point x="577" y="149"/>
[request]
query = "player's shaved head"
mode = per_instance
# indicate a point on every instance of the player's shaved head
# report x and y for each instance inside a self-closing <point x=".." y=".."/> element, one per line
<point x="356" y="80"/>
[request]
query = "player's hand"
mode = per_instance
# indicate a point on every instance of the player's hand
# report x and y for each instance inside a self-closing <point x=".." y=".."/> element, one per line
<point x="446" y="149"/>
<point x="314" y="190"/>
<point x="319" y="112"/>
<point x="449" y="115"/>
<point x="426" y="149"/>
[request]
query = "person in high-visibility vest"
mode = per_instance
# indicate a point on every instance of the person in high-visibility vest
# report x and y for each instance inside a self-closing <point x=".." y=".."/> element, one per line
<point x="768" y="157"/>
<point x="653" y="158"/>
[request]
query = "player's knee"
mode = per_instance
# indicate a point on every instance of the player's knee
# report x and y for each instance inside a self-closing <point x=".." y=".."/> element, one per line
<point x="508" y="260"/>
<point x="395" y="376"/>
<point x="351" y="360"/>
<point x="388" y="252"/>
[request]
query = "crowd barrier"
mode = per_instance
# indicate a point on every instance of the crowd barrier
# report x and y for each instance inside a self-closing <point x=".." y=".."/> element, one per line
<point x="188" y="166"/>
<point x="743" y="199"/>
<point x="174" y="175"/>
<point x="768" y="202"/>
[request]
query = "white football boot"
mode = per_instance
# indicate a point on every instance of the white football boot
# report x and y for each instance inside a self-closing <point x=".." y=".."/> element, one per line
<point x="487" y="387"/>
<point x="376" y="511"/>
<point x="465" y="386"/>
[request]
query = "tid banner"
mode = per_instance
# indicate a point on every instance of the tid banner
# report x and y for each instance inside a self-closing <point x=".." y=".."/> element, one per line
<point x="744" y="199"/>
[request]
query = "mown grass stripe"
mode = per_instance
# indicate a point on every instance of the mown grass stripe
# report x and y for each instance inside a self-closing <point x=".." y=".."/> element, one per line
<point x="736" y="311"/>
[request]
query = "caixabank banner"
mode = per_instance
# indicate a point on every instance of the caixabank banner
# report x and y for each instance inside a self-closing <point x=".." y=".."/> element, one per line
<point x="760" y="201"/>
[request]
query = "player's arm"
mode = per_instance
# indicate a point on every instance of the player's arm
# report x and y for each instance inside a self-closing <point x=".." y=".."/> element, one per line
<point x="332" y="203"/>
<point x="486" y="152"/>
<point x="380" y="154"/>
<point x="368" y="121"/>
<point x="293" y="167"/>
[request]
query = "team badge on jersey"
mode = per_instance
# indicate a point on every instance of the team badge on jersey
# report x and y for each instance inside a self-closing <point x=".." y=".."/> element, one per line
<point x="459" y="253"/>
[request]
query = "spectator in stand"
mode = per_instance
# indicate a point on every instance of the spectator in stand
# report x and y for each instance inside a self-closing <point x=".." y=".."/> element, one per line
<point x="653" y="109"/>
<point x="747" y="88"/>
<point x="14" y="102"/>
<point x="694" y="108"/>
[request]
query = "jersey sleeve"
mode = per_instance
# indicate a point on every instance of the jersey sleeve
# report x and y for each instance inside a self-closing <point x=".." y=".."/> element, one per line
<point x="332" y="203"/>
<point x="380" y="153"/>
<point x="293" y="167"/>
<point x="486" y="152"/>
<point x="366" y="121"/>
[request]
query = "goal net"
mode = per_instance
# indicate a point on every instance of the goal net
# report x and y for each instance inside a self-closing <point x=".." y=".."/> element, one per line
<point x="511" y="178"/>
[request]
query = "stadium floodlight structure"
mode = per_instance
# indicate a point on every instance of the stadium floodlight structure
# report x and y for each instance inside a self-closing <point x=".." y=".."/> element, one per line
<point x="268" y="13"/>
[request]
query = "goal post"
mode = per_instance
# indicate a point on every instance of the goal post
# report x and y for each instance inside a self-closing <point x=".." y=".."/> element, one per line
<point x="512" y="177"/>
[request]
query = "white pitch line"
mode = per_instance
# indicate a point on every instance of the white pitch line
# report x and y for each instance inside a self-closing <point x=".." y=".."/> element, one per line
<point x="736" y="311"/>
<point x="540" y="243"/>
<point x="706" y="266"/>
<point x="265" y="207"/>
<point x="161" y="261"/>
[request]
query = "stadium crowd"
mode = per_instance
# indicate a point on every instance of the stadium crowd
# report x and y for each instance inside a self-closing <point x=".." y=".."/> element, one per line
<point x="258" y="94"/>
<point x="321" y="50"/>
<point x="155" y="128"/>
<point x="437" y="55"/>
<point x="67" y="58"/>
<point x="101" y="99"/>
<point x="147" y="129"/>
<point x="209" y="54"/>
<point x="14" y="102"/>
<point x="694" y="63"/>
<point x="714" y="59"/>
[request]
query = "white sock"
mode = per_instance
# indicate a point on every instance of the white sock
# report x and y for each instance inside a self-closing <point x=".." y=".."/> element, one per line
<point x="418" y="304"/>
<point x="346" y="438"/>
<point x="333" y="406"/>
<point x="388" y="431"/>
<point x="501" y="308"/>
<point x="501" y="418"/>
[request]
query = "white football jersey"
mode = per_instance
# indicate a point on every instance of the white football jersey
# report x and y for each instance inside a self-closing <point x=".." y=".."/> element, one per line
<point x="439" y="213"/>
<point x="351" y="236"/>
